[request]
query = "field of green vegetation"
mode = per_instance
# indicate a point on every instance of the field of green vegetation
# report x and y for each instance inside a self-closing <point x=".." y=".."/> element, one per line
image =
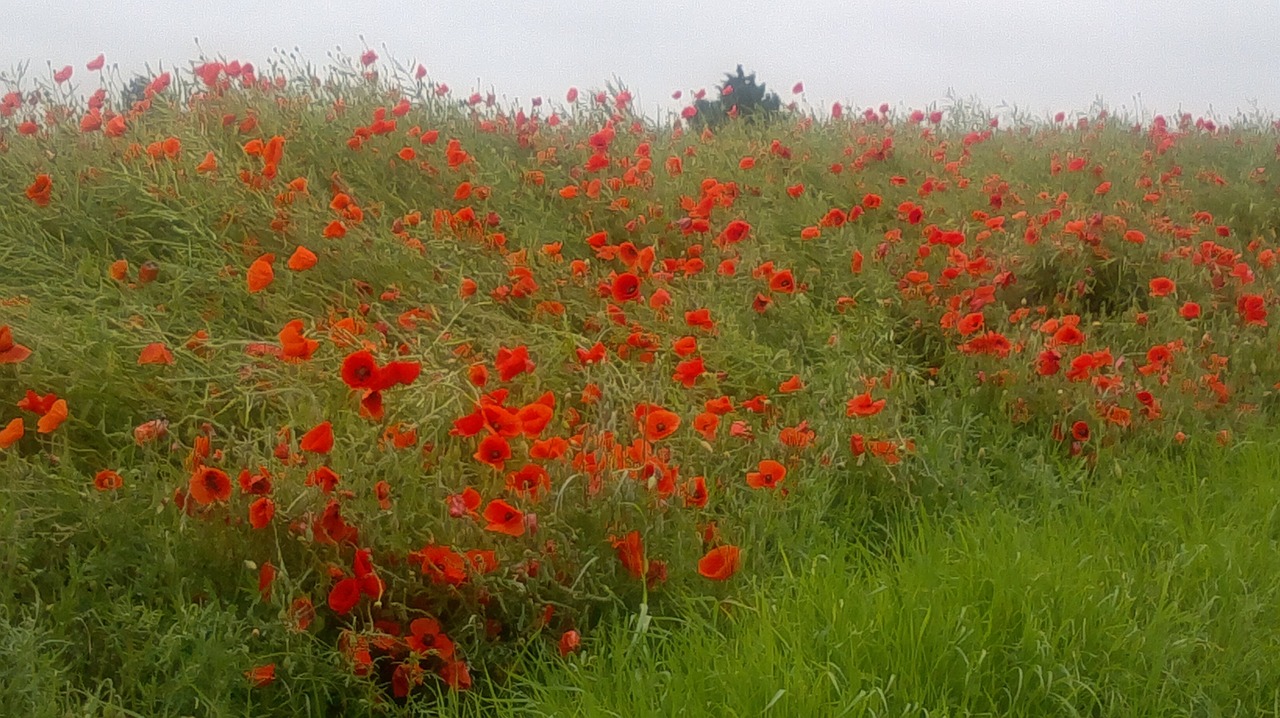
<point x="326" y="391"/>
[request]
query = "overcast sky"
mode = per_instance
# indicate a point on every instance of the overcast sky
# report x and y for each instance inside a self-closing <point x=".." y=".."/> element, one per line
<point x="1041" y="56"/>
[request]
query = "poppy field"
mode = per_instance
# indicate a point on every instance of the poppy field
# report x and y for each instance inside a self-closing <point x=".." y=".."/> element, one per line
<point x="334" y="391"/>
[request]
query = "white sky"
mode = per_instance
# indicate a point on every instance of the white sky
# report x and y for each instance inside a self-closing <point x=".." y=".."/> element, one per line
<point x="1197" y="55"/>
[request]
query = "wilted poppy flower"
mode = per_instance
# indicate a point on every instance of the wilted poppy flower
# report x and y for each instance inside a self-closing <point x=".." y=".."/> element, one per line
<point x="630" y="550"/>
<point x="720" y="563"/>
<point x="456" y="675"/>
<point x="301" y="614"/>
<point x="265" y="580"/>
<point x="149" y="431"/>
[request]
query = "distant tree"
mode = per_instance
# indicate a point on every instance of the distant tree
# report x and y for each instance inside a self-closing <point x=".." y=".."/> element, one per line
<point x="135" y="92"/>
<point x="745" y="99"/>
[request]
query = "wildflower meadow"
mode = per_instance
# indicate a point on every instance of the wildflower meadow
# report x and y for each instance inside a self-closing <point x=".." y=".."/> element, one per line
<point x="334" y="391"/>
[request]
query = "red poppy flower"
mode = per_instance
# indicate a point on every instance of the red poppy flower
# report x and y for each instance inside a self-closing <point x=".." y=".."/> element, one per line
<point x="11" y="352"/>
<point x="41" y="190"/>
<point x="261" y="511"/>
<point x="1047" y="363"/>
<point x="155" y="353"/>
<point x="720" y="563"/>
<point x="1080" y="431"/>
<point x="1161" y="287"/>
<point x="504" y="518"/>
<point x="695" y="492"/>
<point x="442" y="565"/>
<point x="260" y="274"/>
<point x="494" y="451"/>
<point x="12" y="432"/>
<point x="359" y="369"/>
<point x="208" y="485"/>
<point x="626" y="288"/>
<point x="344" y="596"/>
<point x="324" y="477"/>
<point x="734" y="232"/>
<point x="510" y="363"/>
<point x="630" y="550"/>
<point x="107" y="480"/>
<point x="294" y="346"/>
<point x="261" y="676"/>
<point x="1252" y="309"/>
<point x="688" y="371"/>
<point x="769" y="475"/>
<point x="370" y="584"/>
<point x="970" y="323"/>
<point x="783" y="282"/>
<point x="863" y="405"/>
<point x="684" y="346"/>
<point x="534" y="418"/>
<point x="1068" y="335"/>
<point x="569" y="642"/>
<point x="529" y="480"/>
<point x="53" y="418"/>
<point x="397" y="373"/>
<point x="658" y="423"/>
<point x="426" y="637"/>
<point x="319" y="440"/>
<point x="700" y="318"/>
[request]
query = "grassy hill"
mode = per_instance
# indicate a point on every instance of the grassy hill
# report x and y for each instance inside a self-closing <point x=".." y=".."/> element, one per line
<point x="338" y="395"/>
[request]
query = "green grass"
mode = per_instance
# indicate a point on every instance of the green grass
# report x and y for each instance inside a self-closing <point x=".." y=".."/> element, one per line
<point x="1152" y="593"/>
